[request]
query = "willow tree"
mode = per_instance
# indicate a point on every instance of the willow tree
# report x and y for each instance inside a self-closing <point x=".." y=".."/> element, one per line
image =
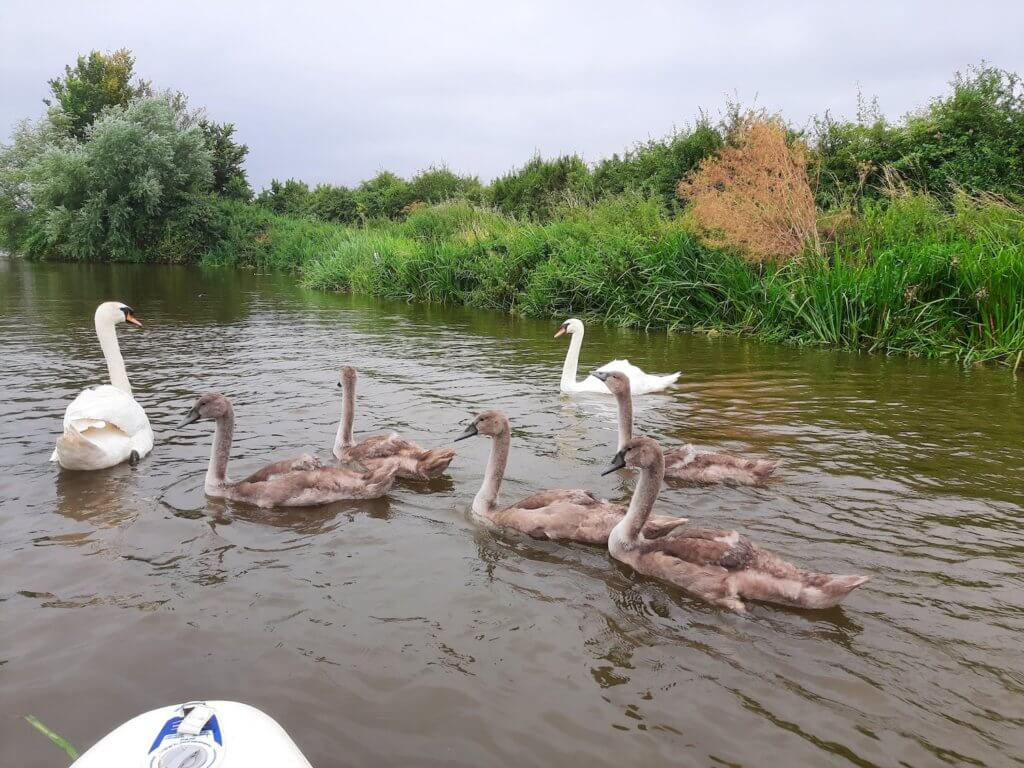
<point x="96" y="81"/>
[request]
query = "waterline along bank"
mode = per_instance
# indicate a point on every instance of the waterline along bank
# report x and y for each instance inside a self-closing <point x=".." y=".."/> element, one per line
<point x="907" y="277"/>
<point x="902" y="237"/>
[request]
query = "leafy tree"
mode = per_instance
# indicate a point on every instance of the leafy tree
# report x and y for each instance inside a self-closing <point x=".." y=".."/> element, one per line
<point x="288" y="198"/>
<point x="227" y="157"/>
<point x="96" y="81"/>
<point x="112" y="194"/>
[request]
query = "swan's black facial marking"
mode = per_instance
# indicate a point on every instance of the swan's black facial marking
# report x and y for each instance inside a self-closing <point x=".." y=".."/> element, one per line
<point x="471" y="431"/>
<point x="191" y="417"/>
<point x="618" y="462"/>
<point x="129" y="315"/>
<point x="563" y="328"/>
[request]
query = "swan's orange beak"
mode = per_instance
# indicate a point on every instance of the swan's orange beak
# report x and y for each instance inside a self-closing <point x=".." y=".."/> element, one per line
<point x="560" y="331"/>
<point x="130" y="318"/>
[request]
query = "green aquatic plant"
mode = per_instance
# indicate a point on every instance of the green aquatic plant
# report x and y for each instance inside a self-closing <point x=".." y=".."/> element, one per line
<point x="56" y="738"/>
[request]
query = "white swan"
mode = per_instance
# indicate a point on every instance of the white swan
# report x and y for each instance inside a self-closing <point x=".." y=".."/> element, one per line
<point x="640" y="382"/>
<point x="104" y="425"/>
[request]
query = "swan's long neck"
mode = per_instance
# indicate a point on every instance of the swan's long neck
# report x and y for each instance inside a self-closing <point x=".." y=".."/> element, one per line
<point x="487" y="497"/>
<point x="216" y="473"/>
<point x="107" y="335"/>
<point x="625" y="418"/>
<point x="344" y="437"/>
<point x="626" y="533"/>
<point x="572" y="360"/>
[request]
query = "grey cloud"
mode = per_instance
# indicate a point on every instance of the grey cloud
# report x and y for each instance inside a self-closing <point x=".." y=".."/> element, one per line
<point x="329" y="91"/>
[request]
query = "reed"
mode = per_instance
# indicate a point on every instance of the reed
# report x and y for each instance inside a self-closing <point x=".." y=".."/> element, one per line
<point x="908" y="275"/>
<point x="54" y="737"/>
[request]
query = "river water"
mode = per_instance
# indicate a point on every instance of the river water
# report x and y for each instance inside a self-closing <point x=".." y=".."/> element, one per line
<point x="398" y="633"/>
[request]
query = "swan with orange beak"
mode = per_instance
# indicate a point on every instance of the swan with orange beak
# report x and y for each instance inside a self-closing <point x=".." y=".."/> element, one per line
<point x="642" y="383"/>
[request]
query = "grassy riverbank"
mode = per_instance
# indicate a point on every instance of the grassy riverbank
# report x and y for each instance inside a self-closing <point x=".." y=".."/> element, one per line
<point x="896" y="237"/>
<point x="905" y="276"/>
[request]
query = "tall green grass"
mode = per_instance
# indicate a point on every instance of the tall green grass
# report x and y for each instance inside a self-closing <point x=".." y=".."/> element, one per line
<point x="907" y="276"/>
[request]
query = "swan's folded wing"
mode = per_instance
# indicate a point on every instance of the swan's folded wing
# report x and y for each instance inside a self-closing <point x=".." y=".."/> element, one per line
<point x="705" y="546"/>
<point x="110" y="405"/>
<point x="575" y="496"/>
<point x="383" y="446"/>
<point x="305" y="462"/>
<point x="640" y="382"/>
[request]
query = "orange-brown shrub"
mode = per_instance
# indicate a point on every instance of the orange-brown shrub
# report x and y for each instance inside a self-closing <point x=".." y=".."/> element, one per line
<point x="754" y="196"/>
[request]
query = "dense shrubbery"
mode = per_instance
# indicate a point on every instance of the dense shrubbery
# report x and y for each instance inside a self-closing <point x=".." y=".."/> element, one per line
<point x="439" y="184"/>
<point x="287" y="198"/>
<point x="916" y="243"/>
<point x="909" y="276"/>
<point x="113" y="194"/>
<point x="330" y="203"/>
<point x="753" y="195"/>
<point x="537" y="188"/>
<point x="384" y="197"/>
<point x="656" y="167"/>
<point x="116" y="171"/>
<point x="972" y="138"/>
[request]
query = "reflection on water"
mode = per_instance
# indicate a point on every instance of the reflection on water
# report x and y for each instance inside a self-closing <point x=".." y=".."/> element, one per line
<point x="398" y="632"/>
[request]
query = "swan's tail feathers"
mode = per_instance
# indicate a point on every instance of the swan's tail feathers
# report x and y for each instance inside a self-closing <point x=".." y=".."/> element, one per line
<point x="807" y="590"/>
<point x="434" y="462"/>
<point x="75" y="449"/>
<point x="659" y="525"/>
<point x="664" y="382"/>
<point x="378" y="481"/>
<point x="838" y="587"/>
<point x="763" y="468"/>
<point x="829" y="590"/>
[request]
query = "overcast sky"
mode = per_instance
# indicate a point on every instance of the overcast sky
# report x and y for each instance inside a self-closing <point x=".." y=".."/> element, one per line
<point x="334" y="91"/>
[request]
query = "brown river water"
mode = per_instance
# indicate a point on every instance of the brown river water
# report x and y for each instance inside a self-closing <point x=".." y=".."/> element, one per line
<point x="399" y="633"/>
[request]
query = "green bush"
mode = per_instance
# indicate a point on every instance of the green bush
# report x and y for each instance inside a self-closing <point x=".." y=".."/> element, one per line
<point x="536" y="189"/>
<point x="655" y="167"/>
<point x="437" y="185"/>
<point x="287" y="198"/>
<point x="385" y="196"/>
<point x="973" y="139"/>
<point x="331" y="203"/>
<point x="111" y="195"/>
